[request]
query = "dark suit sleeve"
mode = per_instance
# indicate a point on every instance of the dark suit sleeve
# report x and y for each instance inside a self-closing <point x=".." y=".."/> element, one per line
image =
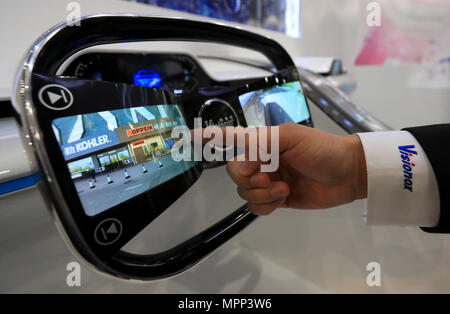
<point x="435" y="141"/>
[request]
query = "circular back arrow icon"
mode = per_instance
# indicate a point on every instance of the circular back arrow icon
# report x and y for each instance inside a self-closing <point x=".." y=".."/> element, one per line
<point x="108" y="231"/>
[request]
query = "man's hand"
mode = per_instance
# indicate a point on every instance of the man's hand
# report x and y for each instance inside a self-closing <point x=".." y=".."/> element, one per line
<point x="317" y="170"/>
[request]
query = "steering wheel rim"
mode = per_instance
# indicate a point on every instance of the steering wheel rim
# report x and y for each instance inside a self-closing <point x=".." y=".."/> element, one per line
<point x="46" y="56"/>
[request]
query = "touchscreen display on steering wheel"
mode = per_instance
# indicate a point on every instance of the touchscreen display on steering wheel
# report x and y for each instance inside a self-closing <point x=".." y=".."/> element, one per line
<point x="275" y="105"/>
<point x="116" y="155"/>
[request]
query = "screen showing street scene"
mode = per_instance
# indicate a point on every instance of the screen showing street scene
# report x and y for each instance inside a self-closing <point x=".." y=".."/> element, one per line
<point x="275" y="105"/>
<point x="116" y="155"/>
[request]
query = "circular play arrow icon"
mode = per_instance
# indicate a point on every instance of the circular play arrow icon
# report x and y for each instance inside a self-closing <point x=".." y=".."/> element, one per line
<point x="55" y="97"/>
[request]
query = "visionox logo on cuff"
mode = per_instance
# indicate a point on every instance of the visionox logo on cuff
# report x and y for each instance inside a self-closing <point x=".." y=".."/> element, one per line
<point x="406" y="153"/>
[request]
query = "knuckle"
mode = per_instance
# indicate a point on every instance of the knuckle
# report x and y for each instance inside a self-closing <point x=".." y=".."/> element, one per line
<point x="254" y="209"/>
<point x="229" y="170"/>
<point x="258" y="196"/>
<point x="260" y="210"/>
<point x="234" y="174"/>
<point x="242" y="193"/>
<point x="289" y="125"/>
<point x="230" y="167"/>
<point x="264" y="212"/>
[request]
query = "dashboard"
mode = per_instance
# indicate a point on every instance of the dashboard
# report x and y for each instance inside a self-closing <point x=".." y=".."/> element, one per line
<point x="176" y="72"/>
<point x="218" y="103"/>
<point x="179" y="74"/>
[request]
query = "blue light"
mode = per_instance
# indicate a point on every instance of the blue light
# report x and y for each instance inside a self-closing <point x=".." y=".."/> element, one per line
<point x="147" y="78"/>
<point x="348" y="123"/>
<point x="324" y="102"/>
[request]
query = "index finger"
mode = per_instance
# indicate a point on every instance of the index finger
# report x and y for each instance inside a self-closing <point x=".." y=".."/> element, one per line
<point x="250" y="138"/>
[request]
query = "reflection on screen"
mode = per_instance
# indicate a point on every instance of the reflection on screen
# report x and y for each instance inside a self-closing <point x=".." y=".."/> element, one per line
<point x="275" y="105"/>
<point x="115" y="155"/>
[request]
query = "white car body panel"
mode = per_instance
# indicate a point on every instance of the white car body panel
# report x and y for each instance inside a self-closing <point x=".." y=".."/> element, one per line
<point x="15" y="161"/>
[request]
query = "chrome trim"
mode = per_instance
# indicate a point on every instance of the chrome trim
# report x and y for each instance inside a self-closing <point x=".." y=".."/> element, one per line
<point x="32" y="134"/>
<point x="206" y="104"/>
<point x="209" y="101"/>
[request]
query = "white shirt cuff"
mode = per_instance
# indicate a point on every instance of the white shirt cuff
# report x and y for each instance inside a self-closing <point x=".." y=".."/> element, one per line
<point x="402" y="187"/>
